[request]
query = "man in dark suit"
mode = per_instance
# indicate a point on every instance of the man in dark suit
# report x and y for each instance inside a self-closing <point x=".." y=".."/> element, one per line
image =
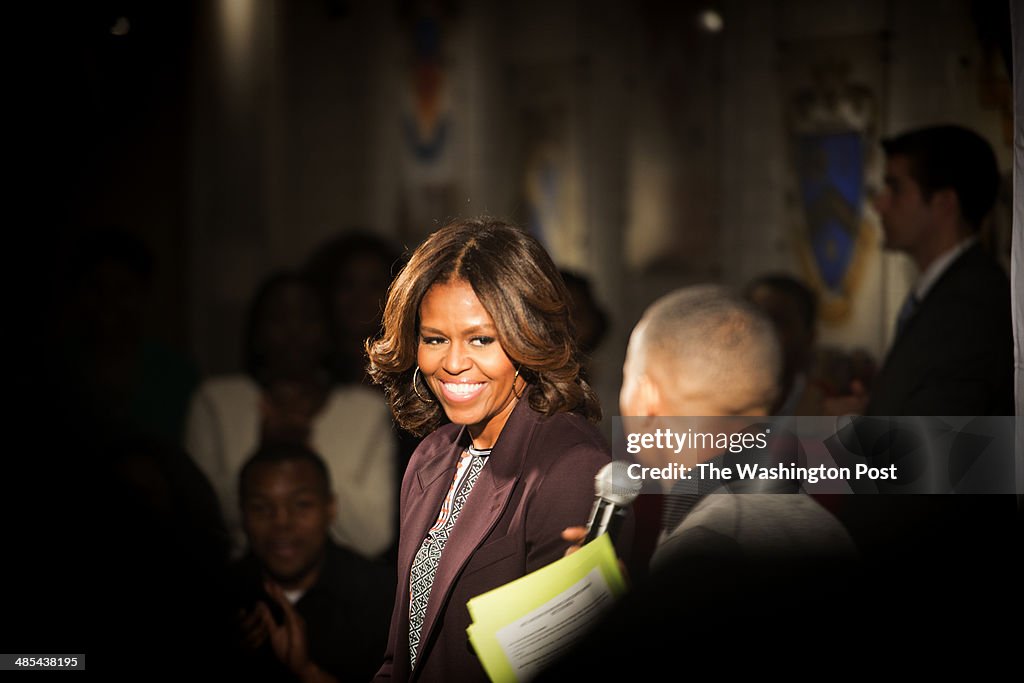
<point x="952" y="355"/>
<point x="953" y="349"/>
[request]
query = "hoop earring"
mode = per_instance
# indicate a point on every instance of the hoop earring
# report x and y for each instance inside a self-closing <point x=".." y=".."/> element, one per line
<point x="416" y="390"/>
<point x="514" y="392"/>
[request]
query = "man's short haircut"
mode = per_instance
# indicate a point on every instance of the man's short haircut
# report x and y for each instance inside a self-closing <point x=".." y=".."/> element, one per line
<point x="710" y="330"/>
<point x="953" y="157"/>
<point x="791" y="288"/>
<point x="277" y="452"/>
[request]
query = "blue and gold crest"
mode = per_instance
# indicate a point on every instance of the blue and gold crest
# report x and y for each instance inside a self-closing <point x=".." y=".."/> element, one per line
<point x="831" y="131"/>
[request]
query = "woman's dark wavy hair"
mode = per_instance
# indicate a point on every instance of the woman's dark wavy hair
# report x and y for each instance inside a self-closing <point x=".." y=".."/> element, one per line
<point x="522" y="291"/>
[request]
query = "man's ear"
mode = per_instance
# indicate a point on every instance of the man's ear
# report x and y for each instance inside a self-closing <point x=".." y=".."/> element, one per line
<point x="947" y="202"/>
<point x="649" y="396"/>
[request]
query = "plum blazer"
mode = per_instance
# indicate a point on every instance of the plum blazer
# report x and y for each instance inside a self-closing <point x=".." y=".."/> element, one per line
<point x="538" y="480"/>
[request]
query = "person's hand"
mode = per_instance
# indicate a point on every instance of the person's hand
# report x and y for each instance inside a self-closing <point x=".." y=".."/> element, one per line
<point x="853" y="403"/>
<point x="574" y="535"/>
<point x="252" y="627"/>
<point x="289" y="640"/>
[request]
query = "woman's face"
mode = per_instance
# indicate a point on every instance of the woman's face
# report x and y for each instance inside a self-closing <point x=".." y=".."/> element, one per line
<point x="462" y="362"/>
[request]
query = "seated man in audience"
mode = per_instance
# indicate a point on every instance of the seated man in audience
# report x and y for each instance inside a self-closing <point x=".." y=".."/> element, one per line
<point x="311" y="610"/>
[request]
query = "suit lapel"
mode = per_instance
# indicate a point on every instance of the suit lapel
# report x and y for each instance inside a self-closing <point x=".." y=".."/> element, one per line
<point x="929" y="306"/>
<point x="432" y="481"/>
<point x="483" y="509"/>
<point x="910" y="353"/>
<point x="424" y="500"/>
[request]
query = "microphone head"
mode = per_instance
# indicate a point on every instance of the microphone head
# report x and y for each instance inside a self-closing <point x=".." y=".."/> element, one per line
<point x="614" y="484"/>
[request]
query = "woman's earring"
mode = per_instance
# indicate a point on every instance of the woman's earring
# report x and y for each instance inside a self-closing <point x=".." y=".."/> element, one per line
<point x="415" y="373"/>
<point x="514" y="392"/>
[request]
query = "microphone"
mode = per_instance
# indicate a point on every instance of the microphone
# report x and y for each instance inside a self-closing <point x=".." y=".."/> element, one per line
<point x="614" y="491"/>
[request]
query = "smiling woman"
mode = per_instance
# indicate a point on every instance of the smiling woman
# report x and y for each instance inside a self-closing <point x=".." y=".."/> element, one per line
<point x="520" y="290"/>
<point x="465" y="367"/>
<point x="477" y="330"/>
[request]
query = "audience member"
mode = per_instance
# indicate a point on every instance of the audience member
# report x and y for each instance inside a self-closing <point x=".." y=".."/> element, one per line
<point x="286" y="393"/>
<point x="129" y="381"/>
<point x="155" y="569"/>
<point x="839" y="370"/>
<point x="953" y="349"/>
<point x="161" y="477"/>
<point x="793" y="308"/>
<point x="589" y="317"/>
<point x="311" y="610"/>
<point x="121" y="523"/>
<point x="353" y="272"/>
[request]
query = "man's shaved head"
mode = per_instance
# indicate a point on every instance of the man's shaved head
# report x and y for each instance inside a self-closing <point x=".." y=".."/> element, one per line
<point x="705" y="351"/>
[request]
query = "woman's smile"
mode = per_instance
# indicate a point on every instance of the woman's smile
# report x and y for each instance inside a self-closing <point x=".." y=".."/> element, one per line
<point x="463" y="363"/>
<point x="461" y="391"/>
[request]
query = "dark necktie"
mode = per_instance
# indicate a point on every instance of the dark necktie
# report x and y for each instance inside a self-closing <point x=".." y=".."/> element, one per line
<point x="906" y="312"/>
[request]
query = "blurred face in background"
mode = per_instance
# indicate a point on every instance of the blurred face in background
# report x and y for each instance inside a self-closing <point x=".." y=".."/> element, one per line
<point x="796" y="337"/>
<point x="359" y="292"/>
<point x="906" y="215"/>
<point x="111" y="305"/>
<point x="286" y="512"/>
<point x="292" y="332"/>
